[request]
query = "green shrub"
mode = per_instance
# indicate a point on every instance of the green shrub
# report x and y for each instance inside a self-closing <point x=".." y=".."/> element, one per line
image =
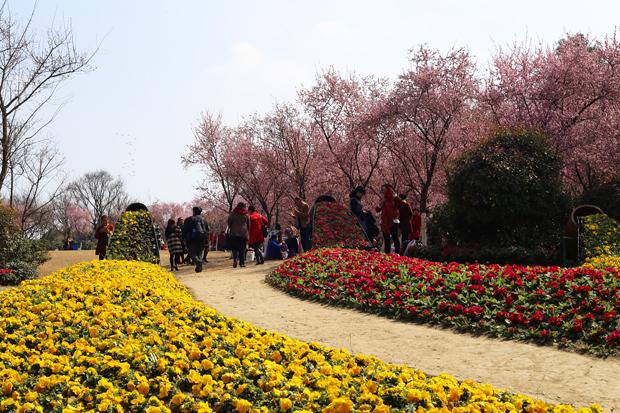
<point x="20" y="271"/>
<point x="606" y="197"/>
<point x="88" y="244"/>
<point x="486" y="254"/>
<point x="507" y="192"/>
<point x="17" y="252"/>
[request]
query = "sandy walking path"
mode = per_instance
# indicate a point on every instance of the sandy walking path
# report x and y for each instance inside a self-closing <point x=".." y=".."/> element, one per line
<point x="542" y="372"/>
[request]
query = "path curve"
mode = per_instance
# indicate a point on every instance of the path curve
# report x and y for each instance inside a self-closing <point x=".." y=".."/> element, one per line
<point x="542" y="372"/>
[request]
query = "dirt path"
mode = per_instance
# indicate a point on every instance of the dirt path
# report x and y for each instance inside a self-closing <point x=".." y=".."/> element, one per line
<point x="542" y="372"/>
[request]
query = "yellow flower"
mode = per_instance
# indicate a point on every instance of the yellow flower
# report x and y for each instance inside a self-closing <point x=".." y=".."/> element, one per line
<point x="181" y="342"/>
<point x="285" y="404"/>
<point x="143" y="388"/>
<point x="177" y="399"/>
<point x="242" y="405"/>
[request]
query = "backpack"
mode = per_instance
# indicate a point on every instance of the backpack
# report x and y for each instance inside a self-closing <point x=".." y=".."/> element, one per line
<point x="198" y="231"/>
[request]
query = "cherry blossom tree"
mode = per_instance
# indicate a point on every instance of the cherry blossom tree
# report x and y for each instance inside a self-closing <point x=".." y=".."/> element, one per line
<point x="344" y="110"/>
<point x="294" y="143"/>
<point x="163" y="211"/>
<point x="70" y="219"/>
<point x="212" y="143"/>
<point x="429" y="104"/>
<point x="251" y="164"/>
<point x="571" y="93"/>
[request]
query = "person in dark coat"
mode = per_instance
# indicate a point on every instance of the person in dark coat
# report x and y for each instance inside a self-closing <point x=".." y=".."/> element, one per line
<point x="364" y="217"/>
<point x="174" y="234"/>
<point x="102" y="234"/>
<point x="292" y="243"/>
<point x="195" y="230"/>
<point x="239" y="227"/>
<point x="389" y="219"/>
<point x="256" y="240"/>
<point x="355" y="203"/>
<point x="405" y="215"/>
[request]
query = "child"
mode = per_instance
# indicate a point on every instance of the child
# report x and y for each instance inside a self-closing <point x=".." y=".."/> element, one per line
<point x="250" y="254"/>
<point x="291" y="242"/>
<point x="283" y="247"/>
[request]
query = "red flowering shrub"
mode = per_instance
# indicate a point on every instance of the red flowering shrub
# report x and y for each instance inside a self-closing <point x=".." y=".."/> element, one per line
<point x="573" y="307"/>
<point x="335" y="226"/>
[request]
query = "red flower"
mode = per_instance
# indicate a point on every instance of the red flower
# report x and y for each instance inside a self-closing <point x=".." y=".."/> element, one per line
<point x="527" y="302"/>
<point x="537" y="316"/>
<point x="613" y="338"/>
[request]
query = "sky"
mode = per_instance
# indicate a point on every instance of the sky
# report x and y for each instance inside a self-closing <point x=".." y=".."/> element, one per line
<point x="160" y="64"/>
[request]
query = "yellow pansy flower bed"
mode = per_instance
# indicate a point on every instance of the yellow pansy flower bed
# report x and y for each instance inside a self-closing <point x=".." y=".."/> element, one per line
<point x="600" y="236"/>
<point x="602" y="262"/>
<point x="115" y="336"/>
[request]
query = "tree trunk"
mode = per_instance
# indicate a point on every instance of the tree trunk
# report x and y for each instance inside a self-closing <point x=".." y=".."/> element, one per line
<point x="11" y="188"/>
<point x="424" y="198"/>
<point x="5" y="148"/>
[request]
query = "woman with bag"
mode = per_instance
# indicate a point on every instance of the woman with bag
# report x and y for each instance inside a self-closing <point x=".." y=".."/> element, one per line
<point x="258" y="232"/>
<point x="174" y="236"/>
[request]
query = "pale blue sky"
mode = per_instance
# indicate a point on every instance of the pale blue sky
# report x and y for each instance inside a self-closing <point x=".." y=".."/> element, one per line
<point x="162" y="62"/>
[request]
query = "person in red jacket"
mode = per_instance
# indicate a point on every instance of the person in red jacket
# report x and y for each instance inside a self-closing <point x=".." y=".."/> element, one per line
<point x="257" y="237"/>
<point x="389" y="219"/>
<point x="416" y="224"/>
<point x="405" y="216"/>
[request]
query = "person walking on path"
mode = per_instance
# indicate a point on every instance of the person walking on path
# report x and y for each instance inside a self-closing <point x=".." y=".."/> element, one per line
<point x="405" y="214"/>
<point x="195" y="231"/>
<point x="173" y="242"/>
<point x="239" y="225"/>
<point x="389" y="219"/>
<point x="258" y="226"/>
<point x="102" y="234"/>
<point x="301" y="213"/>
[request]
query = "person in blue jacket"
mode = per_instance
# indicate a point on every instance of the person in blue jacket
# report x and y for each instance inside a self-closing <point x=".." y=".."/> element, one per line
<point x="274" y="249"/>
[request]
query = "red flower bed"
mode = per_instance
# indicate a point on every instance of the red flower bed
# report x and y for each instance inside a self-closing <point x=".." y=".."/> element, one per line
<point x="574" y="307"/>
<point x="335" y="226"/>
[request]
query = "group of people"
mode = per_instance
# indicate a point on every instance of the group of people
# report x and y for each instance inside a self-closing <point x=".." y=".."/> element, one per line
<point x="188" y="240"/>
<point x="248" y="228"/>
<point x="400" y="223"/>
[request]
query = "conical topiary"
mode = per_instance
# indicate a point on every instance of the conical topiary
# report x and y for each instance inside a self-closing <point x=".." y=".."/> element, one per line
<point x="134" y="239"/>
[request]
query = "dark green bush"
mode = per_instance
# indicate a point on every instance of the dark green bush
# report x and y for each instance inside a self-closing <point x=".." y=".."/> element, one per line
<point x="605" y="196"/>
<point x="506" y="193"/>
<point x="17" y="252"/>
<point x="487" y="254"/>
